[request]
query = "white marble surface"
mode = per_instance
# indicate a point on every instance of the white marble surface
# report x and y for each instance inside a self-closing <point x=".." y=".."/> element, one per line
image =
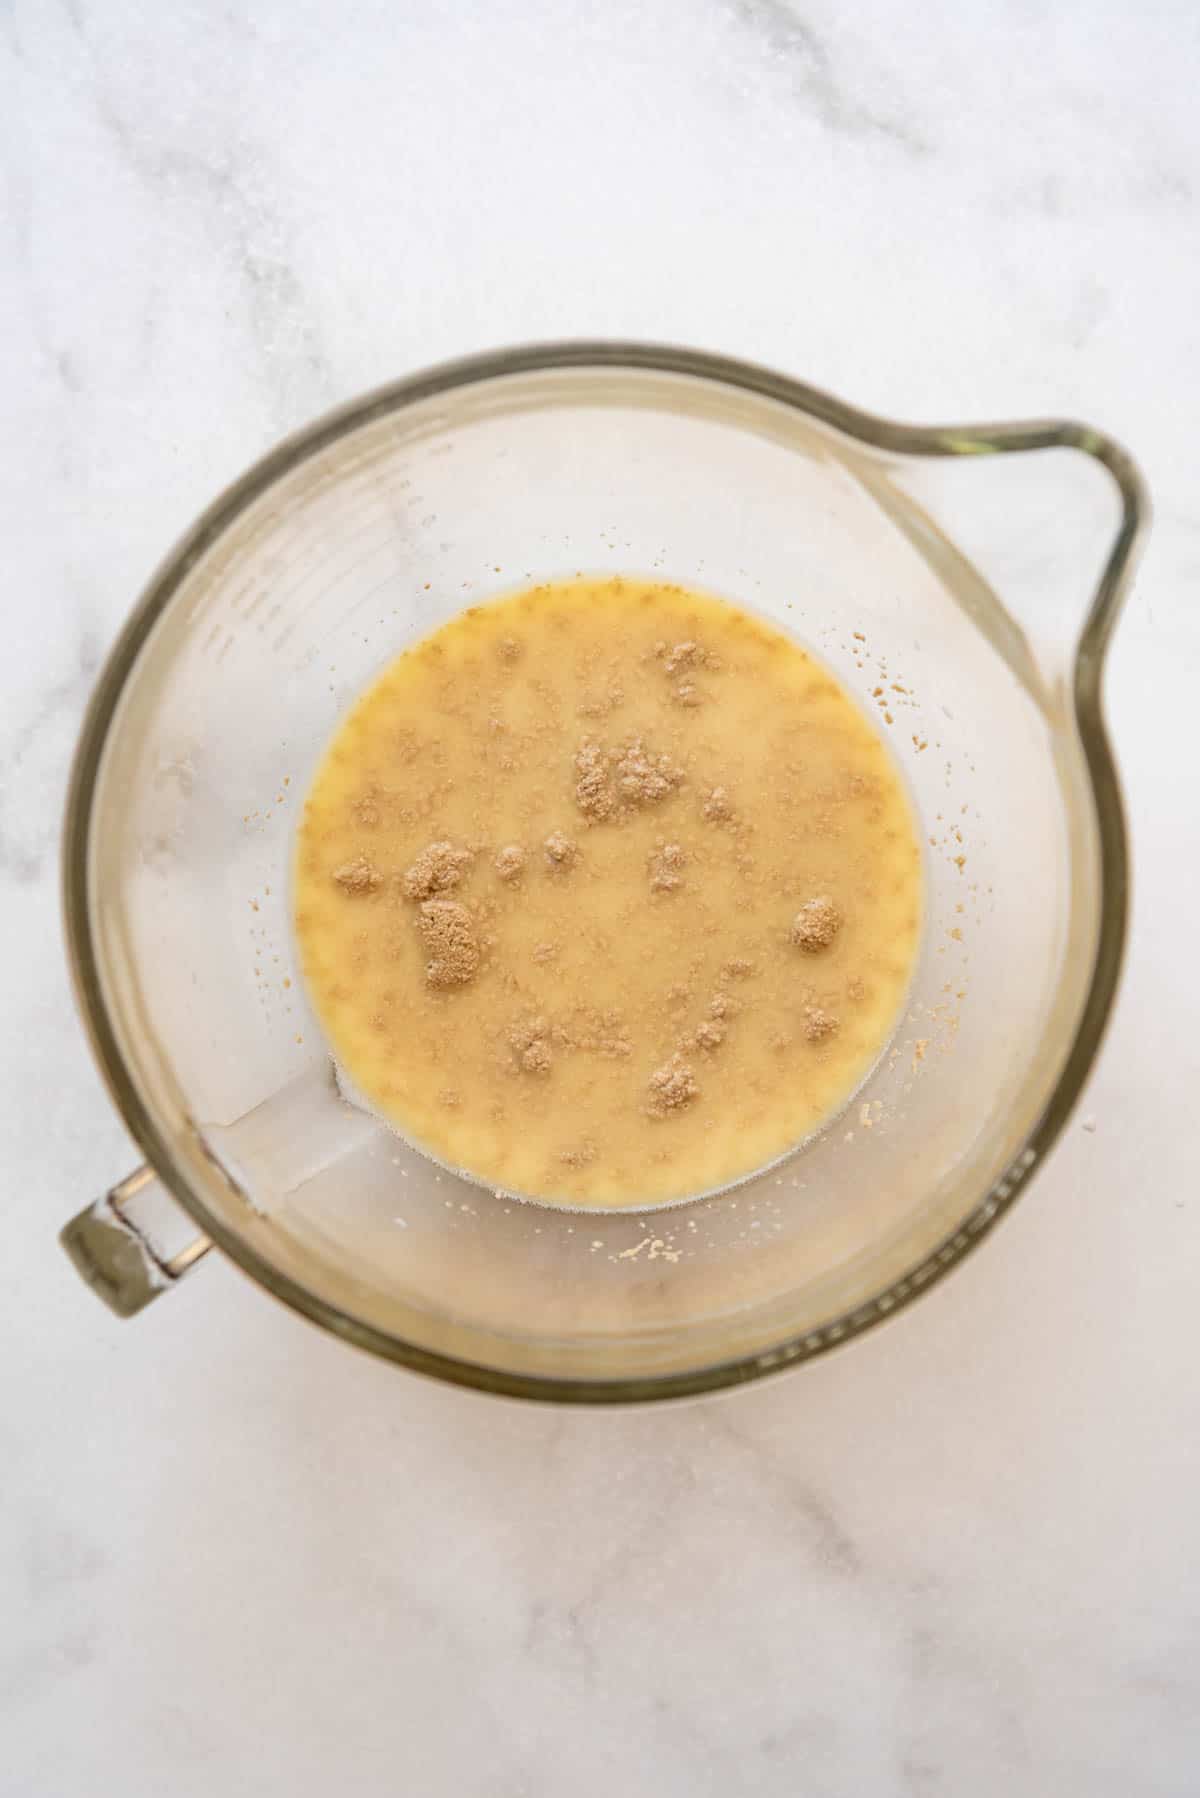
<point x="959" y="1557"/>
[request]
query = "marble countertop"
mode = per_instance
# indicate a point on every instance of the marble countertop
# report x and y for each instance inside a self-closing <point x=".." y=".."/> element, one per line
<point x="958" y="1557"/>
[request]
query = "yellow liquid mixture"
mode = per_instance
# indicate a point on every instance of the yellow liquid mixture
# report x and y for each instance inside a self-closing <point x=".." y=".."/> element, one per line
<point x="607" y="893"/>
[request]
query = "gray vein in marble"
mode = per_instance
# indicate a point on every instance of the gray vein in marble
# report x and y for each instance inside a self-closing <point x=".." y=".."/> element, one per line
<point x="818" y="78"/>
<point x="920" y="1775"/>
<point x="227" y="183"/>
<point x="43" y="1665"/>
<point x="58" y="1556"/>
<point x="25" y="844"/>
<point x="808" y="1733"/>
<point x="59" y="1563"/>
<point x="16" y="213"/>
<point x="555" y="1624"/>
<point x="835" y="1548"/>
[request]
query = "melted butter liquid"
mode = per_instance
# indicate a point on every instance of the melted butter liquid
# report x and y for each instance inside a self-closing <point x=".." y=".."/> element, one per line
<point x="471" y="737"/>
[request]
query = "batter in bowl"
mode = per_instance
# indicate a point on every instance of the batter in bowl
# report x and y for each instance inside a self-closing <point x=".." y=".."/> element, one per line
<point x="607" y="893"/>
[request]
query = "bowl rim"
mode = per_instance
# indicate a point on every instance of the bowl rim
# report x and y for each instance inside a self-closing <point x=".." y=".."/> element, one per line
<point x="930" y="441"/>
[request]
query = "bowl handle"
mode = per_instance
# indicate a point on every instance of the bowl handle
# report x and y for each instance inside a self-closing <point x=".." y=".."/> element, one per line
<point x="124" y="1244"/>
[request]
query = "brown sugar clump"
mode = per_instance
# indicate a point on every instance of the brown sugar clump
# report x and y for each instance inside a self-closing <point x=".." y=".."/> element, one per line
<point x="358" y="876"/>
<point x="685" y="655"/>
<point x="598" y="705"/>
<point x="818" y="1024"/>
<point x="609" y="782"/>
<point x="510" y="649"/>
<point x="581" y="1155"/>
<point x="709" y="1035"/>
<point x="671" y="1087"/>
<point x="594" y="793"/>
<point x="682" y="657"/>
<point x="366" y="812"/>
<point x="560" y="850"/>
<point x="815" y="925"/>
<point x="717" y="807"/>
<point x="510" y="862"/>
<point x="739" y="968"/>
<point x="596" y="1032"/>
<point x="642" y="778"/>
<point x="612" y="1039"/>
<point x="438" y="868"/>
<point x="530" y="1044"/>
<point x="665" y="866"/>
<point x="450" y="942"/>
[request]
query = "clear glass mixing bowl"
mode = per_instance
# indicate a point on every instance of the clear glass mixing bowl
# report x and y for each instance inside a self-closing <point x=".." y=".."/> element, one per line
<point x="372" y="527"/>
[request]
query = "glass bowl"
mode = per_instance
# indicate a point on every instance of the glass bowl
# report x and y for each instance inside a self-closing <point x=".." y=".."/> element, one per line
<point x="970" y="608"/>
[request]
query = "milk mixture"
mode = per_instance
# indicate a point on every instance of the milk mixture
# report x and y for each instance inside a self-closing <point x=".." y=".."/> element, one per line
<point x="607" y="893"/>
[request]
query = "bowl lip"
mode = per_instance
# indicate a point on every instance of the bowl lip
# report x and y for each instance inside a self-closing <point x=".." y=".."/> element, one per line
<point x="809" y="402"/>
